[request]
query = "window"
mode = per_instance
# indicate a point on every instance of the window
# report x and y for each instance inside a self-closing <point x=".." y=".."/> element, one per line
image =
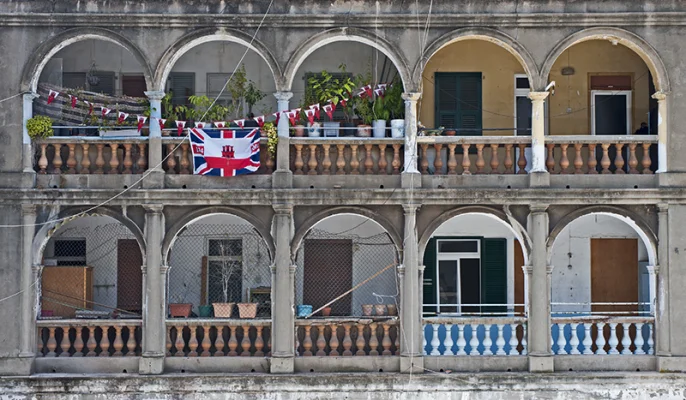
<point x="70" y="252"/>
<point x="215" y="83"/>
<point x="225" y="270"/>
<point x="338" y="115"/>
<point x="182" y="86"/>
<point x="458" y="102"/>
<point x="133" y="85"/>
<point x="522" y="115"/>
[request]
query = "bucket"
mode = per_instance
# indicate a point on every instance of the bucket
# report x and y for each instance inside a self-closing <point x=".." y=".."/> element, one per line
<point x="380" y="128"/>
<point x="304" y="310"/>
<point x="397" y="128"/>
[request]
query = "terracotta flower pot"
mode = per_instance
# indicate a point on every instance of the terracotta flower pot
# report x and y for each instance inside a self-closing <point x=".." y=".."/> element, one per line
<point x="367" y="309"/>
<point x="326" y="311"/>
<point x="222" y="310"/>
<point x="364" y="131"/>
<point x="299" y="131"/>
<point x="380" y="309"/>
<point x="392" y="309"/>
<point x="247" y="310"/>
<point x="180" y="310"/>
<point x="449" y="132"/>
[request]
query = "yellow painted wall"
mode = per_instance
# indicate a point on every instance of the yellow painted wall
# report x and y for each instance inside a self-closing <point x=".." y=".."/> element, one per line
<point x="498" y="68"/>
<point x="573" y="91"/>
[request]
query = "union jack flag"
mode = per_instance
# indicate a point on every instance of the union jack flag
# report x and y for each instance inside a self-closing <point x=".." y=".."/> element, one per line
<point x="225" y="152"/>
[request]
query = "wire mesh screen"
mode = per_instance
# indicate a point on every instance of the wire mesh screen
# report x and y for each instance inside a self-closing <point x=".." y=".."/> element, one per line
<point x="345" y="253"/>
<point x="92" y="268"/>
<point x="219" y="259"/>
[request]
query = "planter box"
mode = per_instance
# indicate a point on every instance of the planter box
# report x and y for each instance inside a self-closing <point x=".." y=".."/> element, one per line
<point x="119" y="133"/>
<point x="222" y="310"/>
<point x="247" y="310"/>
<point x="180" y="310"/>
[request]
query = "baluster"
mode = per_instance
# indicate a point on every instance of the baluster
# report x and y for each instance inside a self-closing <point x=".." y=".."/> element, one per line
<point x="383" y="163"/>
<point x="347" y="342"/>
<point x="588" y="341"/>
<point x="448" y="342"/>
<point x="488" y="342"/>
<point x="340" y="160"/>
<point x="333" y="342"/>
<point x="438" y="161"/>
<point x="424" y="163"/>
<point x="633" y="161"/>
<point x="180" y="343"/>
<point x="561" y="340"/>
<point x="131" y="342"/>
<point x="574" y="340"/>
<point x="605" y="161"/>
<point x="619" y="159"/>
<point x="71" y="158"/>
<point x="259" y="341"/>
<point x="105" y="341"/>
<point x="495" y="162"/>
<point x="650" y="339"/>
<point x="85" y="159"/>
<point x="461" y="343"/>
<point x="91" y="344"/>
<point x="550" y="159"/>
<point x="307" y="342"/>
<point x="78" y="342"/>
<point x="514" y="342"/>
<point x="65" y="344"/>
<point x="466" y="163"/>
<point x="114" y="159"/>
<point x="169" y="341"/>
<point x="269" y="163"/>
<point x="219" y="342"/>
<point x="193" y="341"/>
<point x="39" y="343"/>
<point x="592" y="161"/>
<point x="626" y="339"/>
<point x="386" y="341"/>
<point x="373" y="340"/>
<point x="354" y="162"/>
<point x="500" y="342"/>
<point x="128" y="161"/>
<point x="578" y="160"/>
<point x="297" y="341"/>
<point x="171" y="159"/>
<point x="142" y="163"/>
<point x="473" y="341"/>
<point x="360" y="342"/>
<point x="118" y="342"/>
<point x="507" y="162"/>
<point x="639" y="339"/>
<point x="43" y="160"/>
<point x="269" y="345"/>
<point x="521" y="161"/>
<point x="424" y="344"/>
<point x="397" y="341"/>
<point x="183" y="160"/>
<point x="564" y="161"/>
<point x="600" y="340"/>
<point x="613" y="342"/>
<point x="396" y="159"/>
<point x="312" y="162"/>
<point x="51" y="343"/>
<point x="206" y="343"/>
<point x="57" y="160"/>
<point x="245" y="343"/>
<point x="452" y="160"/>
<point x="480" y="162"/>
<point x="525" y="349"/>
<point x="298" y="163"/>
<point x="99" y="159"/>
<point x="321" y="341"/>
<point x="368" y="161"/>
<point x="645" y="160"/>
<point x="326" y="162"/>
<point x="434" y="341"/>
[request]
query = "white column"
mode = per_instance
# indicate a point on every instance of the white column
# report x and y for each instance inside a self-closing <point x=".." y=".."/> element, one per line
<point x="661" y="98"/>
<point x="283" y="293"/>
<point x="27" y="338"/>
<point x="538" y="131"/>
<point x="154" y="141"/>
<point x="27" y="159"/>
<point x="411" y="132"/>
<point x="411" y="360"/>
<point x="652" y="287"/>
<point x="282" y="99"/>
<point x="154" y="332"/>
<point x="662" y="314"/>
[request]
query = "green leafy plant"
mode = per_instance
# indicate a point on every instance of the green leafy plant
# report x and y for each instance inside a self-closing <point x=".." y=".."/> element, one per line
<point x="39" y="127"/>
<point x="269" y="129"/>
<point x="202" y="108"/>
<point x="394" y="100"/>
<point x="381" y="111"/>
<point x="253" y="95"/>
<point x="364" y="110"/>
<point x="237" y="89"/>
<point x="326" y="88"/>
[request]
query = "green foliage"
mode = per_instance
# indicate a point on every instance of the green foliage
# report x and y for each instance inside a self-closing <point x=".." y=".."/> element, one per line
<point x="394" y="100"/>
<point x="364" y="110"/>
<point x="201" y="109"/>
<point x="326" y="88"/>
<point x="237" y="89"/>
<point x="39" y="127"/>
<point x="253" y="95"/>
<point x="272" y="135"/>
<point x="380" y="109"/>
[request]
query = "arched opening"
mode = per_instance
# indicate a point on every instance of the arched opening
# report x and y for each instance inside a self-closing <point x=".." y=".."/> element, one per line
<point x="347" y="288"/>
<point x="602" y="280"/>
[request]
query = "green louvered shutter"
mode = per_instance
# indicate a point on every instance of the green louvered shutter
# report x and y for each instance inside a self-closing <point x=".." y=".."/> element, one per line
<point x="430" y="276"/>
<point x="469" y="104"/>
<point x="446" y="103"/>
<point x="494" y="273"/>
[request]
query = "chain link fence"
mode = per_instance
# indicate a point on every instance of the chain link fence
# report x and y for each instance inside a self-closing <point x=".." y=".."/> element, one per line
<point x="219" y="259"/>
<point x="342" y="253"/>
<point x="92" y="269"/>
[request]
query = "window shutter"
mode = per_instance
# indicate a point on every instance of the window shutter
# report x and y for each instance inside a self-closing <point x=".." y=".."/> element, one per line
<point x="429" y="283"/>
<point x="183" y="86"/>
<point x="446" y="100"/>
<point x="133" y="85"/>
<point x="494" y="273"/>
<point x="469" y="95"/>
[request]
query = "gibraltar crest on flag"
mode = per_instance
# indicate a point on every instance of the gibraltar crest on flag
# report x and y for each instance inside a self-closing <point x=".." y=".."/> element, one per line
<point x="224" y="152"/>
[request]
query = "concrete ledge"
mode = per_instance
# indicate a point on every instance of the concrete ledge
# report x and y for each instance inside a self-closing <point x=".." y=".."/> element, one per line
<point x="671" y="364"/>
<point x="16" y="366"/>
<point x="541" y="363"/>
<point x="348" y="364"/>
<point x="625" y="181"/>
<point x="68" y="181"/>
<point x="216" y="364"/>
<point x="218" y="182"/>
<point x="476" y="363"/>
<point x="346" y="181"/>
<point x="17" y="179"/>
<point x="87" y="365"/>
<point x="475" y="181"/>
<point x="605" y="363"/>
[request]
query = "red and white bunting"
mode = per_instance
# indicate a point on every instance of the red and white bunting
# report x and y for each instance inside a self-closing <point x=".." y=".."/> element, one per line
<point x="73" y="100"/>
<point x="329" y="109"/>
<point x="219" y="124"/>
<point x="141" y="120"/>
<point x="161" y="121"/>
<point x="292" y="116"/>
<point x="200" y="125"/>
<point x="239" y="122"/>
<point x="104" y="111"/>
<point x="52" y="96"/>
<point x="179" y="127"/>
<point x="361" y="93"/>
<point x="344" y="102"/>
<point x="316" y="109"/>
<point x="379" y="92"/>
<point x="121" y="117"/>
<point x="90" y="107"/>
<point x="368" y="91"/>
<point x="310" y="115"/>
<point x="260" y="120"/>
<point x="382" y="86"/>
<point x="277" y="115"/>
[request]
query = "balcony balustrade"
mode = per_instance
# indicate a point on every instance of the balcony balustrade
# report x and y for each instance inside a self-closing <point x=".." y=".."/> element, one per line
<point x="218" y="338"/>
<point x="347" y="337"/>
<point x="475" y="336"/>
<point x="89" y="338"/>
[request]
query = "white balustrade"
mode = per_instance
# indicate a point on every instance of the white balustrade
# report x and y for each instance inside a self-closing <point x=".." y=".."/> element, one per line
<point x="475" y="336"/>
<point x="614" y="335"/>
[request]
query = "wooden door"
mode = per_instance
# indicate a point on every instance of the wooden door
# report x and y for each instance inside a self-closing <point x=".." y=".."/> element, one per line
<point x="129" y="275"/>
<point x="614" y="273"/>
<point x="328" y="273"/>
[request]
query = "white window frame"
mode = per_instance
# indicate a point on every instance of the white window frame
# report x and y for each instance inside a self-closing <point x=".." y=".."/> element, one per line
<point x="220" y="258"/>
<point x="458" y="258"/>
<point x="629" y="116"/>
<point x="519" y="93"/>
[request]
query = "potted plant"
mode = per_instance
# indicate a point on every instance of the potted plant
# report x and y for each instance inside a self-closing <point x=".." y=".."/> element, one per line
<point x="326" y="311"/>
<point x="363" y="109"/>
<point x="225" y="276"/>
<point x="247" y="310"/>
<point x="237" y="89"/>
<point x="325" y="88"/>
<point x="381" y="114"/>
<point x="252" y="95"/>
<point x="39" y="127"/>
<point x="205" y="311"/>
<point x="396" y="107"/>
<point x="300" y="121"/>
<point x="269" y="130"/>
<point x="179" y="309"/>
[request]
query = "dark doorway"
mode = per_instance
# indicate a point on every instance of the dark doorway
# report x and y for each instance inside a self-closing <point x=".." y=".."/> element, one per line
<point x="328" y="273"/>
<point x="129" y="276"/>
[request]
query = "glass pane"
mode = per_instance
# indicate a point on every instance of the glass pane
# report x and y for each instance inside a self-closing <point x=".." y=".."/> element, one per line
<point x="70" y="248"/>
<point x="523" y="83"/>
<point x="470" y="284"/>
<point x="225" y="247"/>
<point x="458" y="246"/>
<point x="447" y="279"/>
<point x="610" y="114"/>
<point x="523" y="116"/>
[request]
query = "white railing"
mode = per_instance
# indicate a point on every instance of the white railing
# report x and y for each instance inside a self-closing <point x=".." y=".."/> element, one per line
<point x="500" y="336"/>
<point x="620" y="335"/>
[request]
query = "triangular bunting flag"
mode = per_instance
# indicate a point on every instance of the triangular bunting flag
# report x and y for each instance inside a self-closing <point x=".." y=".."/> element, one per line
<point x="179" y="127"/>
<point x="141" y="120"/>
<point x="52" y="96"/>
<point x="73" y="100"/>
<point x="121" y="117"/>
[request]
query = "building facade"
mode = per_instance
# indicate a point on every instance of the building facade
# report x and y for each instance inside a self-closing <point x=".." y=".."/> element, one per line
<point x="528" y="217"/>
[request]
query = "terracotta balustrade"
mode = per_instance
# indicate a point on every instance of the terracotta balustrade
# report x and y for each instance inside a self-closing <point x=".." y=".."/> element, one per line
<point x="347" y="337"/>
<point x="485" y="155"/>
<point x="218" y="338"/>
<point x="181" y="162"/>
<point x="89" y="338"/>
<point x="620" y="335"/>
<point x="90" y="155"/>
<point x="591" y="155"/>
<point x="482" y="336"/>
<point x="351" y="156"/>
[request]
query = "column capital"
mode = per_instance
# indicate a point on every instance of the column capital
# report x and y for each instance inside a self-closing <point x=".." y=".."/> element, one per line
<point x="662" y="207"/>
<point x="283" y="96"/>
<point x="283" y="209"/>
<point x="527" y="269"/>
<point x="164" y="269"/>
<point x="537" y="96"/>
<point x="31" y="96"/>
<point x="549" y="269"/>
<point x="538" y="208"/>
<point x="36" y="268"/>
<point x="28" y="209"/>
<point x="144" y="269"/>
<point x="411" y="208"/>
<point x="653" y="269"/>
<point x="401" y="270"/>
<point x="153" y="208"/>
<point x="292" y="269"/>
<point x="155" y="94"/>
<point x="411" y="96"/>
<point x="660" y="96"/>
<point x="421" y="268"/>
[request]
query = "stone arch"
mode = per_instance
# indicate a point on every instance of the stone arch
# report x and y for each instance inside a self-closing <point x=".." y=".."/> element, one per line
<point x="198" y="37"/>
<point x="634" y="221"/>
<point x="347" y="34"/>
<point x="510" y="222"/>
<point x="616" y="35"/>
<point x="49" y="48"/>
<point x="313" y="220"/>
<point x="489" y="35"/>
<point x="48" y="229"/>
<point x="172" y="234"/>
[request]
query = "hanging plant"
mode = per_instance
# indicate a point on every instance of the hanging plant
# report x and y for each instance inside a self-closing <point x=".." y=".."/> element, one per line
<point x="39" y="127"/>
<point x="269" y="129"/>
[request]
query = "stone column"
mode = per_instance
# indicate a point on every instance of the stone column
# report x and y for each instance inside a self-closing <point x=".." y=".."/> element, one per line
<point x="154" y="332"/>
<point x="282" y="176"/>
<point x="283" y="293"/>
<point x="539" y="173"/>
<point x="527" y="277"/>
<point x="540" y="356"/>
<point x="27" y="159"/>
<point x="27" y="338"/>
<point x="661" y="98"/>
<point x="663" y="346"/>
<point x="410" y="175"/>
<point x="155" y="180"/>
<point x="411" y="360"/>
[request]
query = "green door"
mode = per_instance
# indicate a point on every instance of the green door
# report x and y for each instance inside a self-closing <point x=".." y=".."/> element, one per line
<point x="458" y="102"/>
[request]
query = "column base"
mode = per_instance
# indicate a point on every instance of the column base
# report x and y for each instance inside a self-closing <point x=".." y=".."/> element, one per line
<point x="18" y="179"/>
<point x="411" y="365"/>
<point x="282" y="365"/>
<point x="539" y="179"/>
<point x="411" y="180"/>
<point x="17" y="366"/>
<point x="282" y="179"/>
<point x="154" y="180"/>
<point x="671" y="364"/>
<point x="151" y="364"/>
<point x="671" y="179"/>
<point x="541" y="363"/>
